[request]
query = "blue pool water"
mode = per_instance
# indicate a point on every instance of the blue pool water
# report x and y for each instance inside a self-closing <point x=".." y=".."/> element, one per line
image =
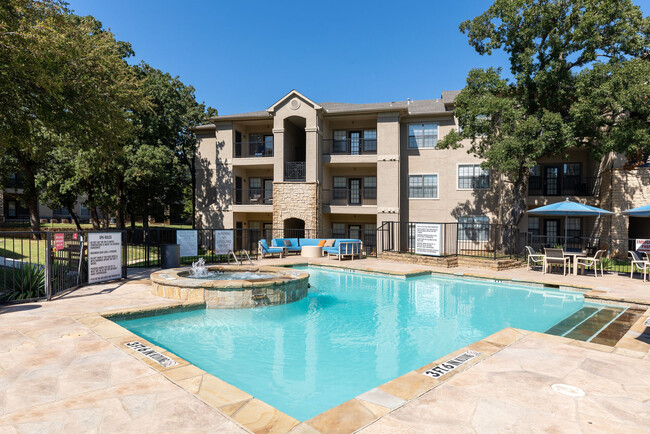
<point x="353" y="332"/>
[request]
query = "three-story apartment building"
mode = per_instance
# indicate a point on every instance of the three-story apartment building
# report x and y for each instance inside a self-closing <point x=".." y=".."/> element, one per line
<point x="348" y="168"/>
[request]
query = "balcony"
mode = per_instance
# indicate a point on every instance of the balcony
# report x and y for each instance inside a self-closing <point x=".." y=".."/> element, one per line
<point x="563" y="186"/>
<point x="253" y="196"/>
<point x="350" y="201"/>
<point x="295" y="171"/>
<point x="253" y="149"/>
<point x="353" y="146"/>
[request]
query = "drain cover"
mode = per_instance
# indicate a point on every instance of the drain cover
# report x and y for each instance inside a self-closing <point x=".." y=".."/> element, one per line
<point x="565" y="389"/>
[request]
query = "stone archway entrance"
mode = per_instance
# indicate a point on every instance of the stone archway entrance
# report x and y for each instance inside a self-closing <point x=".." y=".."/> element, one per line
<point x="294" y="228"/>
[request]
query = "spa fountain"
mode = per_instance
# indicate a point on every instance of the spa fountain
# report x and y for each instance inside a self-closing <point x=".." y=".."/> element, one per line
<point x="231" y="286"/>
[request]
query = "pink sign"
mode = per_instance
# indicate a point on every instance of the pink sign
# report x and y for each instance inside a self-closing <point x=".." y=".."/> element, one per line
<point x="642" y="245"/>
<point x="59" y="241"/>
<point x="75" y="236"/>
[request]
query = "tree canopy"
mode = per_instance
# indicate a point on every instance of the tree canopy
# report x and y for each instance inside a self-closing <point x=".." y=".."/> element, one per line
<point x="579" y="78"/>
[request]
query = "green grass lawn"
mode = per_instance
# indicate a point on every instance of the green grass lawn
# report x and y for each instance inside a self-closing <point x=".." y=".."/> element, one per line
<point x="85" y="226"/>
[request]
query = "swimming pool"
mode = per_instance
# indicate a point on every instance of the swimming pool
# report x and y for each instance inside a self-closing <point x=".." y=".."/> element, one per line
<point x="353" y="332"/>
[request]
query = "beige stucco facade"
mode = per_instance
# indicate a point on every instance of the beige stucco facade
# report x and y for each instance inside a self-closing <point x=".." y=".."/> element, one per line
<point x="350" y="167"/>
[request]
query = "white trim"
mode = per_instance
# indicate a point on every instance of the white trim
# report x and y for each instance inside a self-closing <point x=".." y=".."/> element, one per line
<point x="408" y="186"/>
<point x="473" y="189"/>
<point x="293" y="92"/>
<point x="437" y="124"/>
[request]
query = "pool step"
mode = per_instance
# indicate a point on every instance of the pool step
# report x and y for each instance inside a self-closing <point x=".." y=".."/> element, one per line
<point x="569" y="323"/>
<point x="594" y="324"/>
<point x="601" y="325"/>
<point x="615" y="331"/>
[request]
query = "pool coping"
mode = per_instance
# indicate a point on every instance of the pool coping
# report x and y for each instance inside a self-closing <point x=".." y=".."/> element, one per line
<point x="258" y="416"/>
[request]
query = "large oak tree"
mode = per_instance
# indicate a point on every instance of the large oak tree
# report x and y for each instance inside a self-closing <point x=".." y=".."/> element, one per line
<point x="579" y="77"/>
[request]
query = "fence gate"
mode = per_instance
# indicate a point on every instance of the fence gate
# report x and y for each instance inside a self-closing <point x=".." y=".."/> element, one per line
<point x="66" y="262"/>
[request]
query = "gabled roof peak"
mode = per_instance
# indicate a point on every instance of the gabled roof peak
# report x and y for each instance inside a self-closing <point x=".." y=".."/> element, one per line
<point x="293" y="93"/>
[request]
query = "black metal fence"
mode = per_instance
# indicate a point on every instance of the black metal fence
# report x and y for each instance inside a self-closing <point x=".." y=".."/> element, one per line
<point x="456" y="239"/>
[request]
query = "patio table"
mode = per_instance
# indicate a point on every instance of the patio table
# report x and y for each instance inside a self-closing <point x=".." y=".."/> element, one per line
<point x="573" y="256"/>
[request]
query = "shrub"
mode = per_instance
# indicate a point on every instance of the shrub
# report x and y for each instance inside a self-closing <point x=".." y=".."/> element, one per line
<point x="27" y="282"/>
<point x="54" y="221"/>
<point x="65" y="221"/>
<point x="43" y="220"/>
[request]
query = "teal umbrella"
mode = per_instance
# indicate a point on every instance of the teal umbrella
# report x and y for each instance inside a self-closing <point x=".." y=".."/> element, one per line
<point x="642" y="211"/>
<point x="569" y="209"/>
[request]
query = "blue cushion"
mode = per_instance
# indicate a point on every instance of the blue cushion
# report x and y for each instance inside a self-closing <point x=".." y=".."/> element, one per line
<point x="310" y="241"/>
<point x="267" y="249"/>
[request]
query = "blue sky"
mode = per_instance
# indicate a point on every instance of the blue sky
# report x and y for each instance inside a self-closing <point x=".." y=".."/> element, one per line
<point x="244" y="55"/>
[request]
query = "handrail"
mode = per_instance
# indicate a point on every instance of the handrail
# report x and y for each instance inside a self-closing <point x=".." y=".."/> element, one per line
<point x="230" y="252"/>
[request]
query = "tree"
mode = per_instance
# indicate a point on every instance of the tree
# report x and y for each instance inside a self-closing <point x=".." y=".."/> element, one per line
<point x="63" y="80"/>
<point x="567" y="59"/>
<point x="161" y="156"/>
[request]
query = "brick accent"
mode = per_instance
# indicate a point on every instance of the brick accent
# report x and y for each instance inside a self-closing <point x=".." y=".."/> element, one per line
<point x="453" y="261"/>
<point x="299" y="200"/>
<point x="624" y="189"/>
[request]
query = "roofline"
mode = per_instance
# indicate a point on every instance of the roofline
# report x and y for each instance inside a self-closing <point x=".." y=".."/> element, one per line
<point x="206" y="127"/>
<point x="294" y="92"/>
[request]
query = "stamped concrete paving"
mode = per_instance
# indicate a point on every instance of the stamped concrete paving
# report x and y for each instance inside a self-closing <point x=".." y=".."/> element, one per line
<point x="58" y="375"/>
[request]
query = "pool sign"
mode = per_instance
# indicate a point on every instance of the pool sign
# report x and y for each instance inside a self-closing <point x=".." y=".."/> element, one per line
<point x="451" y="364"/>
<point x="104" y="256"/>
<point x="223" y="242"/>
<point x="427" y="238"/>
<point x="154" y="355"/>
<point x="188" y="240"/>
<point x="642" y="245"/>
<point x="59" y="241"/>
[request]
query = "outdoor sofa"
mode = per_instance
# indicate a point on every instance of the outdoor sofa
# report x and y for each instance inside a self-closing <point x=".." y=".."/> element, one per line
<point x="341" y="248"/>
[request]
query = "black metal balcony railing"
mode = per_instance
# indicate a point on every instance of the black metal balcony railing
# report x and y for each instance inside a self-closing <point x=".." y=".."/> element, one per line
<point x="355" y="146"/>
<point x="252" y="196"/>
<point x="294" y="171"/>
<point x="563" y="186"/>
<point x="254" y="149"/>
<point x="350" y="196"/>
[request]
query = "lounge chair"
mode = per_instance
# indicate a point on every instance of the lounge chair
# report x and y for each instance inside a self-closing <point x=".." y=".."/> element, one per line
<point x="592" y="262"/>
<point x="639" y="263"/>
<point x="535" y="258"/>
<point x="555" y="257"/>
<point x="263" y="249"/>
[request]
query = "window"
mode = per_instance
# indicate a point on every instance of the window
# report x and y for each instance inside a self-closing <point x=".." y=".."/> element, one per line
<point x="535" y="180"/>
<point x="255" y="232"/>
<point x="370" y="187"/>
<point x="533" y="225"/>
<point x="423" y="186"/>
<point x="370" y="140"/>
<point x="339" y="187"/>
<point x="268" y="146"/>
<point x="84" y="211"/>
<point x="11" y="208"/>
<point x="423" y="135"/>
<point x="340" y="144"/>
<point x="473" y="228"/>
<point x="370" y="236"/>
<point x="255" y="188"/>
<point x="573" y="227"/>
<point x="338" y="230"/>
<point x="473" y="176"/>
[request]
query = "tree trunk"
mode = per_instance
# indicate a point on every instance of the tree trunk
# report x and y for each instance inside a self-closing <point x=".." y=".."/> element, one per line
<point x="74" y="217"/>
<point x="120" y="221"/>
<point x="94" y="217"/>
<point x="131" y="215"/>
<point x="106" y="218"/>
<point x="31" y="197"/>
<point x="145" y="216"/>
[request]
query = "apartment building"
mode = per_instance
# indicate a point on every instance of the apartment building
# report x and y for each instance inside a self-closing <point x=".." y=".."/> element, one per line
<point x="348" y="168"/>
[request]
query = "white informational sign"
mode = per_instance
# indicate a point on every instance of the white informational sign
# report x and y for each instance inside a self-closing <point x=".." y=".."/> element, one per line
<point x="428" y="238"/>
<point x="642" y="245"/>
<point x="189" y="242"/>
<point x="104" y="256"/>
<point x="223" y="242"/>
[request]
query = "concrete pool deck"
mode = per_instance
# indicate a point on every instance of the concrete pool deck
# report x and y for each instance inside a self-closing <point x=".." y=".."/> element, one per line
<point x="63" y="368"/>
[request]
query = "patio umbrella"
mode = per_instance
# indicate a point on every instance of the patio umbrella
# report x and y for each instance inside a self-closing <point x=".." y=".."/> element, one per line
<point x="568" y="209"/>
<point x="642" y="211"/>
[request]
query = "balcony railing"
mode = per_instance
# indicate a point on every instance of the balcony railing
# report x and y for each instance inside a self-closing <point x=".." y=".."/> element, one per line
<point x="352" y="197"/>
<point x="294" y="171"/>
<point x="253" y="149"/>
<point x="252" y="196"/>
<point x="563" y="186"/>
<point x="356" y="146"/>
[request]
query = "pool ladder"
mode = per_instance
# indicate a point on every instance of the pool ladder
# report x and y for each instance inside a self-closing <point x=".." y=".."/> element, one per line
<point x="237" y="261"/>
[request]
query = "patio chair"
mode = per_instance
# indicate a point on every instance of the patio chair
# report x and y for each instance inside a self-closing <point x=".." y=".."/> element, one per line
<point x="555" y="257"/>
<point x="535" y="258"/>
<point x="592" y="262"/>
<point x="639" y="263"/>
